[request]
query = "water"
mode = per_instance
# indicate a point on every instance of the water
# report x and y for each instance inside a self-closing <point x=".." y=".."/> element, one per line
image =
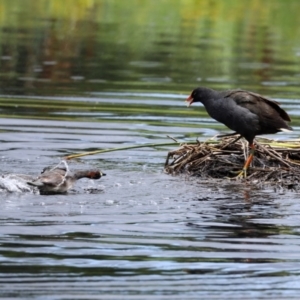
<point x="84" y="75"/>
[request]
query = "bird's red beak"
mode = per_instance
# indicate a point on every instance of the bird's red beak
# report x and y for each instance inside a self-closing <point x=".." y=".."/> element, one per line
<point x="189" y="100"/>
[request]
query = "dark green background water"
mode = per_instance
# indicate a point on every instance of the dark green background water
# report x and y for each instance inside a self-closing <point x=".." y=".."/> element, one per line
<point x="78" y="75"/>
<point x="72" y="47"/>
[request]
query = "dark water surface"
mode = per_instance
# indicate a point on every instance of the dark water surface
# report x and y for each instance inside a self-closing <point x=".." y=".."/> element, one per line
<point x="82" y="75"/>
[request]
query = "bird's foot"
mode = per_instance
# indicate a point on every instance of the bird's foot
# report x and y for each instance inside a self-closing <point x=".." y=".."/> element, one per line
<point x="241" y="174"/>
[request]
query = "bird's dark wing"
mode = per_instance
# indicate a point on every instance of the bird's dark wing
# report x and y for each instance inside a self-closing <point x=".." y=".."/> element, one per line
<point x="48" y="179"/>
<point x="251" y="100"/>
<point x="61" y="170"/>
<point x="35" y="183"/>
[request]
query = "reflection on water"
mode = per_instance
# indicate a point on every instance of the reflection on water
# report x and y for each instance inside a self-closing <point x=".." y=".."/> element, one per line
<point x="80" y="45"/>
<point x="81" y="75"/>
<point x="163" y="235"/>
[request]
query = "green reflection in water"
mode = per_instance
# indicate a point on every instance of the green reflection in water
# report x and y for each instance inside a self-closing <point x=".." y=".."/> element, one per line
<point x="73" y="46"/>
<point x="57" y="109"/>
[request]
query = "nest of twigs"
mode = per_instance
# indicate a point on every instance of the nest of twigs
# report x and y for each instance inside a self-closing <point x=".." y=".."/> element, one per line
<point x="224" y="158"/>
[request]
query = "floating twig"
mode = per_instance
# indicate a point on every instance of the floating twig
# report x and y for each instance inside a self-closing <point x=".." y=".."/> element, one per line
<point x="99" y="151"/>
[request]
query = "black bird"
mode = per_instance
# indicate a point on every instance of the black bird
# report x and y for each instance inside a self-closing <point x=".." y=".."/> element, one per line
<point x="247" y="113"/>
